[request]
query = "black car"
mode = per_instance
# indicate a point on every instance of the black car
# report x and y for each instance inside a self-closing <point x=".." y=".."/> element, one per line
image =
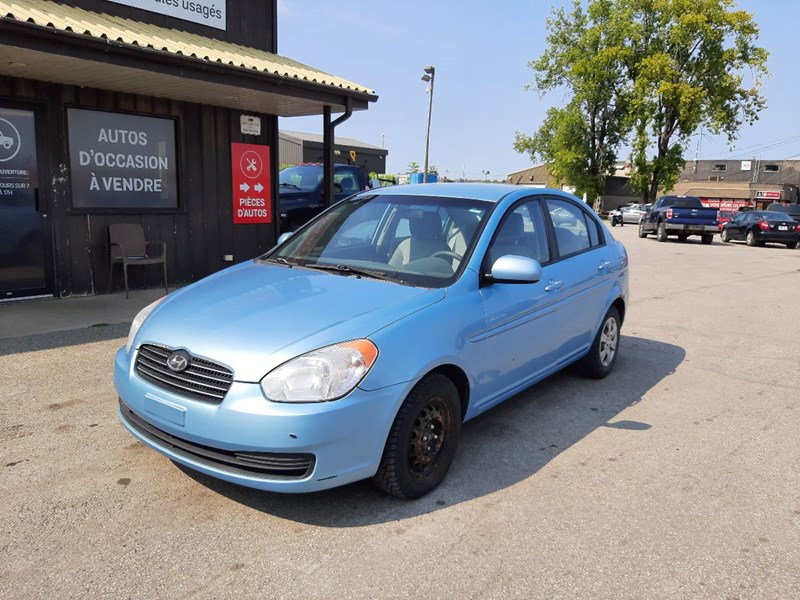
<point x="793" y="210"/>
<point x="757" y="227"/>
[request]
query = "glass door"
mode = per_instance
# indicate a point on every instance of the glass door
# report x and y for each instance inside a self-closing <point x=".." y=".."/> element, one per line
<point x="22" y="240"/>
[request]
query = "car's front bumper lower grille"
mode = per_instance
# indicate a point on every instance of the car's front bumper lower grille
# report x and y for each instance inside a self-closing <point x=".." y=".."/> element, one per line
<point x="276" y="465"/>
<point x="201" y="380"/>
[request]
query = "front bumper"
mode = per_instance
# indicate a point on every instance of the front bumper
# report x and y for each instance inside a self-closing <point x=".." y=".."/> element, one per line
<point x="247" y="439"/>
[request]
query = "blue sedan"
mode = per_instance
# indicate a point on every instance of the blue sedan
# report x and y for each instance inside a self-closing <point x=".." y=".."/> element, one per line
<point x="359" y="346"/>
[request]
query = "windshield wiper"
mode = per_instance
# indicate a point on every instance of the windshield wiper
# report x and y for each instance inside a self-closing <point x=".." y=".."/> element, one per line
<point x="348" y="270"/>
<point x="278" y="261"/>
<point x="297" y="187"/>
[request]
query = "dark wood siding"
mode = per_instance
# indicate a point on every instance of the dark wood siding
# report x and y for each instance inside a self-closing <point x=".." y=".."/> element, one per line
<point x="197" y="234"/>
<point x="250" y="23"/>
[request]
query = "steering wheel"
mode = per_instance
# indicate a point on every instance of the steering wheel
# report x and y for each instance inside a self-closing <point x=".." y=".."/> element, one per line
<point x="447" y="254"/>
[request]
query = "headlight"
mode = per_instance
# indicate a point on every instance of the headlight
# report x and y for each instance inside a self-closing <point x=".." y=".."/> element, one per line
<point x="137" y="322"/>
<point x="325" y="374"/>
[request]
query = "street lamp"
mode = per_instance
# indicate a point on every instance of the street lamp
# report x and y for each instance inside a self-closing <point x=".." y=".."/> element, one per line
<point x="430" y="74"/>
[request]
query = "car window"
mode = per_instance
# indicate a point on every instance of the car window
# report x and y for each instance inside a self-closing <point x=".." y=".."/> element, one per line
<point x="571" y="226"/>
<point x="522" y="233"/>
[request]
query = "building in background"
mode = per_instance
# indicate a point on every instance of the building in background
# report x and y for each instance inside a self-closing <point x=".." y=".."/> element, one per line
<point x="731" y="184"/>
<point x="295" y="147"/>
<point x="163" y="114"/>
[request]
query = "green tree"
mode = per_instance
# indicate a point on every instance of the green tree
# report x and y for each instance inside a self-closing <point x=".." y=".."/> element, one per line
<point x="413" y="167"/>
<point x="434" y="170"/>
<point x="580" y="140"/>
<point x="686" y="61"/>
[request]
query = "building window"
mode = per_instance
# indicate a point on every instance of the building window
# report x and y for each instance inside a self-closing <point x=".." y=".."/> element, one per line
<point x="719" y="168"/>
<point x="771" y="168"/>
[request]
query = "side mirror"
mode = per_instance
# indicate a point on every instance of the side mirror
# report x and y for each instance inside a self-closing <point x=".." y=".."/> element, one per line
<point x="516" y="269"/>
<point x="285" y="236"/>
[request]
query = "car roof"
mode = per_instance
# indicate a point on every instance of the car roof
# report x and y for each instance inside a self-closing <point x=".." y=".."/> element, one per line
<point x="490" y="192"/>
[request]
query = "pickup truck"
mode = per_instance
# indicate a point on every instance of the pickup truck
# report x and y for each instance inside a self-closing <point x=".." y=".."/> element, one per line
<point x="300" y="191"/>
<point x="681" y="216"/>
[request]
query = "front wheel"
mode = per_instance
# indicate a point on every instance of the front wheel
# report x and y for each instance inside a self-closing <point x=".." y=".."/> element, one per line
<point x="661" y="232"/>
<point x="603" y="353"/>
<point x="642" y="232"/>
<point x="423" y="439"/>
<point x="707" y="238"/>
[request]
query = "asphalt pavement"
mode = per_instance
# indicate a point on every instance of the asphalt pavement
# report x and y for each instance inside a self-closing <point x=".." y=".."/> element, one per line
<point x="675" y="477"/>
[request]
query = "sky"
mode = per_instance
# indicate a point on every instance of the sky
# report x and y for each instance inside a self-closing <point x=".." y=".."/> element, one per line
<point x="481" y="52"/>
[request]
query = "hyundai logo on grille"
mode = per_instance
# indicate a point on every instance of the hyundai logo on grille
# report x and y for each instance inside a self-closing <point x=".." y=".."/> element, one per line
<point x="178" y="361"/>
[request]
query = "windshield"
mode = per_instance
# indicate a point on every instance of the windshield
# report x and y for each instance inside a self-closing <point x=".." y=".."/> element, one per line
<point x="414" y="240"/>
<point x="305" y="178"/>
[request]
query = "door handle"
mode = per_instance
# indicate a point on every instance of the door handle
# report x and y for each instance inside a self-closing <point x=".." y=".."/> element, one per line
<point x="604" y="265"/>
<point x="553" y="285"/>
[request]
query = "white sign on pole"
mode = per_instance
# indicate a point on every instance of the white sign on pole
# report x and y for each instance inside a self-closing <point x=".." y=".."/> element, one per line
<point x="205" y="12"/>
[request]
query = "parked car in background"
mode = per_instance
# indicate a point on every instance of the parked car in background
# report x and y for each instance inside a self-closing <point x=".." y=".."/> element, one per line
<point x="681" y="216"/>
<point x="632" y="214"/>
<point x="724" y="216"/>
<point x="358" y="346"/>
<point x="793" y="210"/>
<point x="758" y="227"/>
<point x="300" y="193"/>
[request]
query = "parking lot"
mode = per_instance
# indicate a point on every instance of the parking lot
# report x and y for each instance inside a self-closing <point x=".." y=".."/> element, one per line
<point x="675" y="477"/>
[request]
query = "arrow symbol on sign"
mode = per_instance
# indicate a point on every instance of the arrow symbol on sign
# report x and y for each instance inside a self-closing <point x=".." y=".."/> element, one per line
<point x="244" y="187"/>
<point x="258" y="187"/>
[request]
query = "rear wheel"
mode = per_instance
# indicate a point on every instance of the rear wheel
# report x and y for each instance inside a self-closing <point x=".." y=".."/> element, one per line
<point x="723" y="236"/>
<point x="642" y="232"/>
<point x="791" y="245"/>
<point x="603" y="353"/>
<point x="707" y="238"/>
<point x="661" y="232"/>
<point x="682" y="237"/>
<point x="751" y="238"/>
<point x="423" y="439"/>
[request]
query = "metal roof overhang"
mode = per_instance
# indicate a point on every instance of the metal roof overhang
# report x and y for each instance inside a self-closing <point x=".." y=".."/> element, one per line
<point x="47" y="53"/>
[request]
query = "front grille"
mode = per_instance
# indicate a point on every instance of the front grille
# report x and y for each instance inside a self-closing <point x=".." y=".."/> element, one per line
<point x="274" y="464"/>
<point x="202" y="379"/>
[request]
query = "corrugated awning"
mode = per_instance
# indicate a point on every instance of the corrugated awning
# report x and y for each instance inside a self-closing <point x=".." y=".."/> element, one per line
<point x="53" y="42"/>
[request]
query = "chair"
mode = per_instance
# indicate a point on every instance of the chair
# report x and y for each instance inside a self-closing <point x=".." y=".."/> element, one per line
<point x="129" y="247"/>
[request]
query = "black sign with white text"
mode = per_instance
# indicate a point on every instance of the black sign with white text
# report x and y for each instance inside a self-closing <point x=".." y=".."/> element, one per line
<point x="121" y="161"/>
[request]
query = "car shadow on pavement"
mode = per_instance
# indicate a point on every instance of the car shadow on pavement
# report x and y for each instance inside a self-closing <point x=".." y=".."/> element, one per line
<point x="506" y="445"/>
<point x="99" y="332"/>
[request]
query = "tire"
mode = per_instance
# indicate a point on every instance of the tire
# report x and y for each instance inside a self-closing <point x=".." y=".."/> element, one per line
<point x="413" y="464"/>
<point x="723" y="236"/>
<point x="791" y="245"/>
<point x="605" y="347"/>
<point x="682" y="237"/>
<point x="751" y="238"/>
<point x="613" y="223"/>
<point x="642" y="232"/>
<point x="661" y="232"/>
<point x="707" y="238"/>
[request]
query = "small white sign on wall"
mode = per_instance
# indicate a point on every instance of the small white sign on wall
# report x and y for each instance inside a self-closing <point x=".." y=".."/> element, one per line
<point x="746" y="165"/>
<point x="250" y="125"/>
<point x="205" y="12"/>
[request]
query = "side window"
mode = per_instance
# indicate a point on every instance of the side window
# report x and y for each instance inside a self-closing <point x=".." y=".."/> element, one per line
<point x="522" y="233"/>
<point x="347" y="180"/>
<point x="570" y="225"/>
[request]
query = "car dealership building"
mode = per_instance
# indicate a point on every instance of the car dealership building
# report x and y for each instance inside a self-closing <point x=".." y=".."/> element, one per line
<point x="151" y="112"/>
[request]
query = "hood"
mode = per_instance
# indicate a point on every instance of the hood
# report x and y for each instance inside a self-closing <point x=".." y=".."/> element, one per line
<point x="256" y="316"/>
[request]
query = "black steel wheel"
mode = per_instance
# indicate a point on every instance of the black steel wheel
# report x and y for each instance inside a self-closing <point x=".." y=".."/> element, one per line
<point x="661" y="232"/>
<point x="605" y="347"/>
<point x="423" y="439"/>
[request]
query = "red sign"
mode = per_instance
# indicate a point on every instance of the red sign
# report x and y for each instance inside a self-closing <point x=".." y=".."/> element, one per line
<point x="252" y="201"/>
<point x="774" y="195"/>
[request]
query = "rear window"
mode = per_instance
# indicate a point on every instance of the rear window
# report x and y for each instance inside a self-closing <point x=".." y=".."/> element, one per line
<point x="682" y="201"/>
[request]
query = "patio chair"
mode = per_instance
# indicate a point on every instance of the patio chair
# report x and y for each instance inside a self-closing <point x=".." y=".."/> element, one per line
<point x="128" y="247"/>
